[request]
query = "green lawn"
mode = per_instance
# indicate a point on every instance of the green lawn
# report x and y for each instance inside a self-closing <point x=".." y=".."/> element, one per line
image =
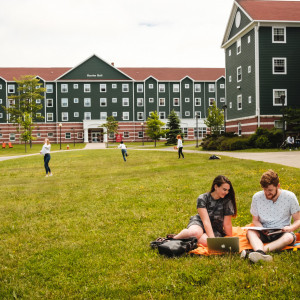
<point x="84" y="233"/>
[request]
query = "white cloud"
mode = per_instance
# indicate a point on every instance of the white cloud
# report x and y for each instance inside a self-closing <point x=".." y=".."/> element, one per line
<point x="132" y="33"/>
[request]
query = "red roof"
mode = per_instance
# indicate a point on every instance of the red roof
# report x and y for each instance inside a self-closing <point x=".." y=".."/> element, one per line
<point x="166" y="74"/>
<point x="267" y="10"/>
<point x="48" y="74"/>
<point x="172" y="74"/>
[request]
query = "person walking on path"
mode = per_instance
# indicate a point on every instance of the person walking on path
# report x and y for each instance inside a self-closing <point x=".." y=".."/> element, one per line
<point x="46" y="152"/>
<point x="179" y="146"/>
<point x="123" y="150"/>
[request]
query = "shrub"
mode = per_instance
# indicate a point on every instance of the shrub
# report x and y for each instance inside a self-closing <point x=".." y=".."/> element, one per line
<point x="262" y="142"/>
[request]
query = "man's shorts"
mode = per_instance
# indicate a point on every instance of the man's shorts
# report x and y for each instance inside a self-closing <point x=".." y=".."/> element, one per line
<point x="271" y="238"/>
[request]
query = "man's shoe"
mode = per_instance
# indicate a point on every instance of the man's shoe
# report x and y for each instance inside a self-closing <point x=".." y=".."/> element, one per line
<point x="245" y="253"/>
<point x="259" y="255"/>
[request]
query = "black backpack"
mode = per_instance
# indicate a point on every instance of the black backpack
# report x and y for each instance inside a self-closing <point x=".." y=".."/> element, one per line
<point x="175" y="248"/>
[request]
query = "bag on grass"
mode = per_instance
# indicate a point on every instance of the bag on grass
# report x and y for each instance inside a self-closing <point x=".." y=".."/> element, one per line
<point x="175" y="248"/>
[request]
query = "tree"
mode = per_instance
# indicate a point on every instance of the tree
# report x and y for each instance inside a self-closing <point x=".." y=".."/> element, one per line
<point x="23" y="108"/>
<point x="292" y="119"/>
<point x="215" y="119"/>
<point x="173" y="128"/>
<point x="111" y="126"/>
<point x="154" y="127"/>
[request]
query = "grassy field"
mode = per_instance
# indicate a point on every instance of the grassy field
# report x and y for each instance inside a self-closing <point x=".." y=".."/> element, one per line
<point x="84" y="233"/>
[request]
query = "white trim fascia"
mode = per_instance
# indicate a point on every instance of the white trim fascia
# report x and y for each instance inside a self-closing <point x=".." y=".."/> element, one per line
<point x="187" y="76"/>
<point x="256" y="72"/>
<point x="242" y="118"/>
<point x="150" y="77"/>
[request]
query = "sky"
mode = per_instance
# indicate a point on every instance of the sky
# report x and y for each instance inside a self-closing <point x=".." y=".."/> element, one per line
<point x="130" y="33"/>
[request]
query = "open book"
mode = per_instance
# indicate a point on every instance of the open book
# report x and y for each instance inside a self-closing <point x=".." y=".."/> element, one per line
<point x="275" y="230"/>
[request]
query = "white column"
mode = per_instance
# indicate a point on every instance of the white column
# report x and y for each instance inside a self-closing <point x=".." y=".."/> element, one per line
<point x="104" y="134"/>
<point x="86" y="135"/>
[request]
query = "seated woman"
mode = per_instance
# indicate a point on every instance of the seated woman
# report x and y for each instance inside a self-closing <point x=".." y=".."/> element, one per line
<point x="215" y="210"/>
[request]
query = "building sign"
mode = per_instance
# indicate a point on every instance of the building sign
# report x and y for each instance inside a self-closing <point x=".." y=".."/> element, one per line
<point x="119" y="138"/>
<point x="94" y="75"/>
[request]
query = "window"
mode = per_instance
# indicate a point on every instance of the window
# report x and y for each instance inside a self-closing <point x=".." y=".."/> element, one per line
<point x="126" y="134"/>
<point x="76" y="114"/>
<point x="11" y="102"/>
<point x="150" y="86"/>
<point x="249" y="39"/>
<point x="0" y="101"/>
<point x="87" y="115"/>
<point x="64" y="102"/>
<point x="229" y="79"/>
<point x="1" y="116"/>
<point x="239" y="102"/>
<point x="140" y="116"/>
<point x="279" y="35"/>
<point x="50" y="117"/>
<point x="187" y="113"/>
<point x="185" y="132"/>
<point x="222" y="99"/>
<point x="222" y="86"/>
<point x="125" y="87"/>
<point x="49" y="102"/>
<point x="50" y="134"/>
<point x="64" y="88"/>
<point x="38" y="135"/>
<point x="38" y="101"/>
<point x="229" y="52"/>
<point x="140" y="134"/>
<point x="211" y="88"/>
<point x="197" y="101"/>
<point x="197" y="87"/>
<point x="151" y="100"/>
<point x="140" y="88"/>
<point x="11" y="88"/>
<point x="161" y="88"/>
<point x="87" y="88"/>
<point x="277" y="97"/>
<point x="186" y="86"/>
<point x="230" y="104"/>
<point x="79" y="135"/>
<point x="279" y="65"/>
<point x="211" y="101"/>
<point x="187" y="100"/>
<point x="12" y="137"/>
<point x="102" y="87"/>
<point x="125" y="101"/>
<point x="64" y="116"/>
<point x="239" y="74"/>
<point x="103" y="102"/>
<point x="249" y="99"/>
<point x="125" y="115"/>
<point x="75" y="86"/>
<point x="114" y="85"/>
<point x="238" y="46"/>
<point x="111" y="135"/>
<point x="114" y="114"/>
<point x="103" y="115"/>
<point x="162" y="115"/>
<point x="87" y="102"/>
<point x="176" y="101"/>
<point x="67" y="135"/>
<point x="0" y="86"/>
<point x="114" y="100"/>
<point x="175" y="88"/>
<point x="249" y="69"/>
<point x="140" y="101"/>
<point x="198" y="114"/>
<point x="49" y="88"/>
<point x="239" y="129"/>
<point x="162" y="101"/>
<point x="278" y="124"/>
<point x="76" y="100"/>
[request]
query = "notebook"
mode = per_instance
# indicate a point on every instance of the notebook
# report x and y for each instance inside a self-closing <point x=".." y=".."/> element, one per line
<point x="223" y="244"/>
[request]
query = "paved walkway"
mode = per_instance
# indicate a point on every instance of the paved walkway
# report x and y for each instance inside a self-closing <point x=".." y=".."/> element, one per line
<point x="286" y="158"/>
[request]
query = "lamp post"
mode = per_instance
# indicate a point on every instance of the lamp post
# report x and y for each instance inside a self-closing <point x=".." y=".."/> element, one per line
<point x="60" y="125"/>
<point x="224" y="107"/>
<point x="197" y="130"/>
<point x="73" y="135"/>
<point x="142" y="133"/>
<point x="282" y="100"/>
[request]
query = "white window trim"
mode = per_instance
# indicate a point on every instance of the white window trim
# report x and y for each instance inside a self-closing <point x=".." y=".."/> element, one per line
<point x="211" y="88"/>
<point x="85" y="104"/>
<point x="175" y="87"/>
<point x="237" y="74"/>
<point x="198" y="85"/>
<point x="140" y="116"/>
<point x="102" y="88"/>
<point x="174" y="101"/>
<point x="196" y="103"/>
<point x="187" y="100"/>
<point x="87" y="88"/>
<point x="49" y="117"/>
<point x="164" y="102"/>
<point x="76" y="114"/>
<point x="140" y="100"/>
<point x="238" y="43"/>
<point x="103" y="113"/>
<point x="210" y="101"/>
<point x="237" y="102"/>
<point x="66" y="101"/>
<point x="285" y="68"/>
<point x="105" y="102"/>
<point x="279" y="42"/>
<point x="65" y="114"/>
<point x="161" y="88"/>
<point x="47" y="101"/>
<point x="125" y="115"/>
<point x="123" y="101"/>
<point x="125" y="87"/>
<point x="285" y="100"/>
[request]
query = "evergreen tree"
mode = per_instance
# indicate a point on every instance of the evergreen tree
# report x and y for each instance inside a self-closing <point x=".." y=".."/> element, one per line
<point x="174" y="129"/>
<point x="215" y="119"/>
<point x="154" y="127"/>
<point x="23" y="109"/>
<point x="111" y="125"/>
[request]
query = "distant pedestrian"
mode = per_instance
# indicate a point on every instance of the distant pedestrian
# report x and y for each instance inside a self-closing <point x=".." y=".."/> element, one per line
<point x="179" y="146"/>
<point x="290" y="142"/>
<point x="124" y="150"/>
<point x="46" y="152"/>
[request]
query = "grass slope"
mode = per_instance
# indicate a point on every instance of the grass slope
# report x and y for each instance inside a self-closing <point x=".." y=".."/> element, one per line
<point x="85" y="232"/>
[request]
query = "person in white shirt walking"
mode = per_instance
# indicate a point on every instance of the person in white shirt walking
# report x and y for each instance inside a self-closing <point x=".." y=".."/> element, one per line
<point x="179" y="146"/>
<point x="46" y="152"/>
<point x="123" y="149"/>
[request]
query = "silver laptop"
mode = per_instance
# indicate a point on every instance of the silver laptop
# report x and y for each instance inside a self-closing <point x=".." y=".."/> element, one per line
<point x="223" y="244"/>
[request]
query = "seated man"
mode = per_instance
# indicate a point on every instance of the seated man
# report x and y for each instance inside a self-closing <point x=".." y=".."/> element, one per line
<point x="272" y="208"/>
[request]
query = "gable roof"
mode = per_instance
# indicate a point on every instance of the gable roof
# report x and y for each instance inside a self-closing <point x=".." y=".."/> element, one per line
<point x="175" y="74"/>
<point x="268" y="10"/>
<point x="47" y="74"/>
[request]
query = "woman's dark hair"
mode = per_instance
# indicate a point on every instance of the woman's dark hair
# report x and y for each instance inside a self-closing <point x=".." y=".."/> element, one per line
<point x="219" y="180"/>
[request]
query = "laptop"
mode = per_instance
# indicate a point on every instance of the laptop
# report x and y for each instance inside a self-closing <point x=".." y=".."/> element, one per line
<point x="223" y="244"/>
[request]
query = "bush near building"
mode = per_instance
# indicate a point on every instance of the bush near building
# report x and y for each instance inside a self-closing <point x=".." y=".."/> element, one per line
<point x="262" y="138"/>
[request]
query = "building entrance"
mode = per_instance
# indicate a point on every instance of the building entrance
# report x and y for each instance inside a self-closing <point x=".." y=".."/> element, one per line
<point x="97" y="136"/>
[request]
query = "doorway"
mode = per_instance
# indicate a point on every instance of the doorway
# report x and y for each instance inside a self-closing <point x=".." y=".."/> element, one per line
<point x="97" y="137"/>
